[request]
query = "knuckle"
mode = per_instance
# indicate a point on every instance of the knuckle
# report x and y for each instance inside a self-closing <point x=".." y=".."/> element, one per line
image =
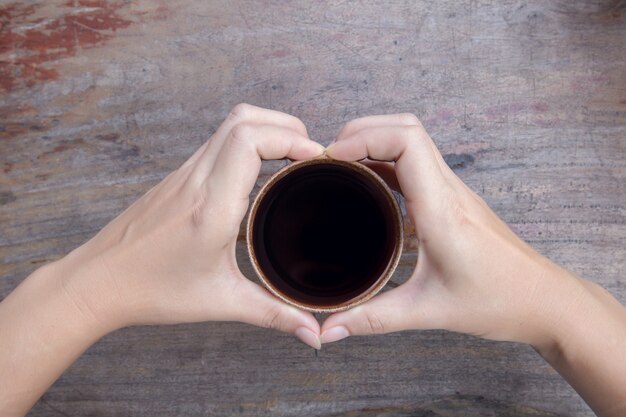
<point x="413" y="131"/>
<point x="241" y="134"/>
<point x="409" y="119"/>
<point x="241" y="111"/>
<point x="300" y="124"/>
<point x="355" y="125"/>
<point x="350" y="126"/>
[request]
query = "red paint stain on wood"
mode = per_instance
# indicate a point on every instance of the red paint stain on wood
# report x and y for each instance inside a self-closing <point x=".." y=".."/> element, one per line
<point x="29" y="42"/>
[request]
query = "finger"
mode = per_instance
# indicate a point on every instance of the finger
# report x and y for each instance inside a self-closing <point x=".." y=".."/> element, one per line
<point x="246" y="113"/>
<point x="237" y="166"/>
<point x="386" y="171"/>
<point x="389" y="312"/>
<point x="416" y="166"/>
<point x="258" y="307"/>
<point x="400" y="119"/>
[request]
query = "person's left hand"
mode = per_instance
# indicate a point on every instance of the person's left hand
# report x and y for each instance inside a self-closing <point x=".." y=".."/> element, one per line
<point x="170" y="257"/>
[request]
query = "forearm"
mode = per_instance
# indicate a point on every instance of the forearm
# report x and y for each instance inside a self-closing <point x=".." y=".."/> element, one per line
<point x="43" y="329"/>
<point x="588" y="346"/>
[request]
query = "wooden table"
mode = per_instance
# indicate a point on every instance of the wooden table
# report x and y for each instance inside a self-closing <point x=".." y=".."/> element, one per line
<point x="100" y="100"/>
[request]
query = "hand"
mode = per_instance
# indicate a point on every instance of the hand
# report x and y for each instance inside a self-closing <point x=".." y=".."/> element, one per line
<point x="473" y="274"/>
<point x="170" y="257"/>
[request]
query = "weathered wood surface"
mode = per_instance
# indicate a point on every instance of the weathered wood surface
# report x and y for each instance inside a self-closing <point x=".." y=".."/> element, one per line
<point x="100" y="100"/>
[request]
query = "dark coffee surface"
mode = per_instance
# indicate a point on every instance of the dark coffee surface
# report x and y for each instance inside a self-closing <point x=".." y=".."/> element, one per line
<point x="324" y="234"/>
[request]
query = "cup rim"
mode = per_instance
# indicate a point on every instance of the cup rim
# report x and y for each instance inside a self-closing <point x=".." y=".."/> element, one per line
<point x="389" y="269"/>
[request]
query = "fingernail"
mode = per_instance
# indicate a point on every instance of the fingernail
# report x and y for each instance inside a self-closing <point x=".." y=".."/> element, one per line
<point x="308" y="337"/>
<point x="334" y="334"/>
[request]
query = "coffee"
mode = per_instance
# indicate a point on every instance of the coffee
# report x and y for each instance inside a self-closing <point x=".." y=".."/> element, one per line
<point x="324" y="234"/>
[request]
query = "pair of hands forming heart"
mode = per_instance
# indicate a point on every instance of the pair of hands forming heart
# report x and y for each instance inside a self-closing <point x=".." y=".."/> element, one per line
<point x="170" y="257"/>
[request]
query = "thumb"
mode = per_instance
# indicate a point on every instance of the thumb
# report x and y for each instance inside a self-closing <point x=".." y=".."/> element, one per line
<point x="389" y="312"/>
<point x="255" y="305"/>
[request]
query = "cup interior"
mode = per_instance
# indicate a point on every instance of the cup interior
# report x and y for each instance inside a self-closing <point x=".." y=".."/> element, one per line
<point x="324" y="235"/>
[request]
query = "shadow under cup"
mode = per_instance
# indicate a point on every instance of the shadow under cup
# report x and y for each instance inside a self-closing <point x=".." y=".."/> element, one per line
<point x="325" y="235"/>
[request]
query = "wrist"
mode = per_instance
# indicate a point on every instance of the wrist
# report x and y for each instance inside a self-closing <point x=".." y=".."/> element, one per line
<point x="573" y="310"/>
<point x="553" y="307"/>
<point x="587" y="345"/>
<point x="44" y="329"/>
<point x="82" y="287"/>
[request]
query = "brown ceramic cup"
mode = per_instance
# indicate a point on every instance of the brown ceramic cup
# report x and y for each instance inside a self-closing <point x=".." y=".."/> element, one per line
<point x="325" y="235"/>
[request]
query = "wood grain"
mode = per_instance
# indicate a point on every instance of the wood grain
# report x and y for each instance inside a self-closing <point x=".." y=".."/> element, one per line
<point x="101" y="99"/>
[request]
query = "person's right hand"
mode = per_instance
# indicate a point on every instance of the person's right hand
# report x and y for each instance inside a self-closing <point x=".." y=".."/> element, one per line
<point x="473" y="274"/>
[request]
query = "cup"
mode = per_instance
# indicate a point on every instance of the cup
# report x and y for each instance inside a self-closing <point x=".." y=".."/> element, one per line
<point x="324" y="235"/>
